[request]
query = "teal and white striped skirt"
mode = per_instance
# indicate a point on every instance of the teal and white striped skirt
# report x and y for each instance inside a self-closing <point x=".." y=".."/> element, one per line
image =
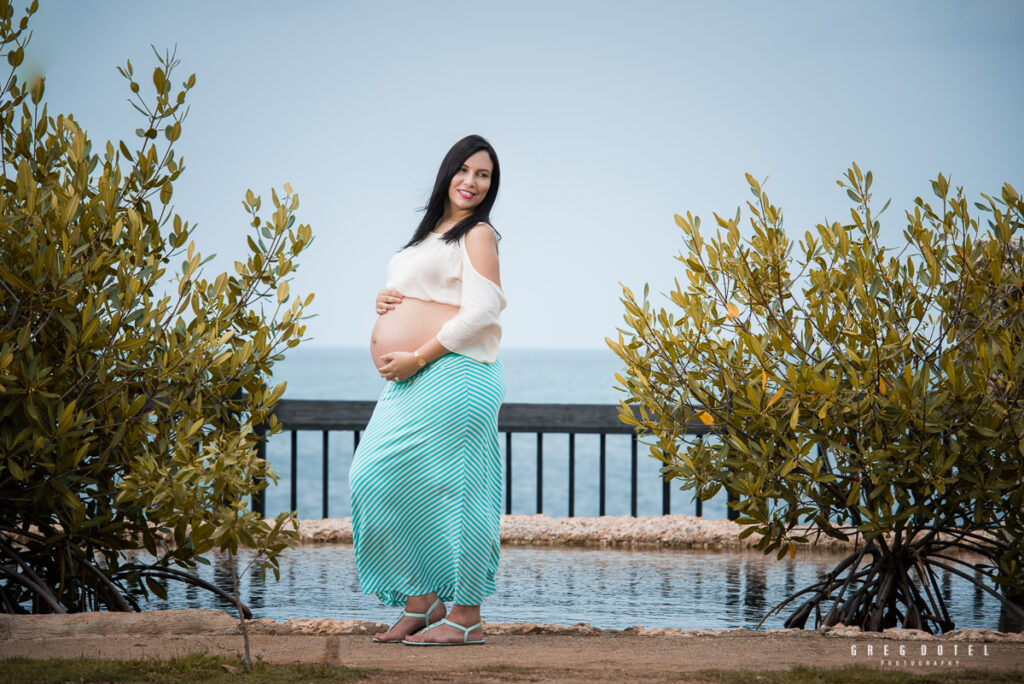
<point x="426" y="485"/>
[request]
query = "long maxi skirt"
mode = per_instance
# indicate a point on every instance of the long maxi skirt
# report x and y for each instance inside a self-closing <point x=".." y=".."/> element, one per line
<point x="426" y="485"/>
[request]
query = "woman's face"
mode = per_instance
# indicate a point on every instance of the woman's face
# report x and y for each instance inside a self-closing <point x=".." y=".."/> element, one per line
<point x="471" y="182"/>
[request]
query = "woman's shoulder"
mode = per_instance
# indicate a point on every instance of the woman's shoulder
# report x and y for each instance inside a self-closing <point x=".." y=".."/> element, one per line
<point x="482" y="233"/>
<point x="480" y="245"/>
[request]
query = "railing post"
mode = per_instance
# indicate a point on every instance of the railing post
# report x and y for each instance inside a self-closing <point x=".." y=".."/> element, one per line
<point x="259" y="497"/>
<point x="572" y="474"/>
<point x="325" y="473"/>
<point x="295" y="472"/>
<point x="828" y="469"/>
<point x="508" y="473"/>
<point x="540" y="472"/>
<point x="730" y="513"/>
<point x="602" y="471"/>
<point x="700" y="504"/>
<point x="633" y="464"/>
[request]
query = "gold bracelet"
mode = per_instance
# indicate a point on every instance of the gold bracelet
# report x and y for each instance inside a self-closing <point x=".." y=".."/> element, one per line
<point x="419" y="359"/>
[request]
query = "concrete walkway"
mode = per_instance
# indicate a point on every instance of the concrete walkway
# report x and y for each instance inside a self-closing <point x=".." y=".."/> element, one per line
<point x="540" y="654"/>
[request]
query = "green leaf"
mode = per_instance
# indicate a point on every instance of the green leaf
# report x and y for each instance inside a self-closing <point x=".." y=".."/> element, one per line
<point x="156" y="587"/>
<point x="159" y="79"/>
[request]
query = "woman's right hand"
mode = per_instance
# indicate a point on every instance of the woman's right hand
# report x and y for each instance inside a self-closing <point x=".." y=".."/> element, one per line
<point x="387" y="299"/>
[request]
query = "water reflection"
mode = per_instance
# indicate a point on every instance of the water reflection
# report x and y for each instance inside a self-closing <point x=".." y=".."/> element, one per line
<point x="611" y="589"/>
<point x="258" y="588"/>
<point x="222" y="573"/>
<point x="755" y="592"/>
<point x="732" y="586"/>
<point x="979" y="594"/>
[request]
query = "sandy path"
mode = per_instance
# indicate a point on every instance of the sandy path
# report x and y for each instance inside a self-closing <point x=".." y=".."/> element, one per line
<point x="602" y="656"/>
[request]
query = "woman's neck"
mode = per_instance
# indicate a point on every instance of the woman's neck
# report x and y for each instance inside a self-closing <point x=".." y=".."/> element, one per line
<point x="450" y="220"/>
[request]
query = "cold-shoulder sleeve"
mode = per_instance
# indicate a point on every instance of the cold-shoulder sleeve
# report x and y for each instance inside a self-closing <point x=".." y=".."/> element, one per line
<point x="476" y="329"/>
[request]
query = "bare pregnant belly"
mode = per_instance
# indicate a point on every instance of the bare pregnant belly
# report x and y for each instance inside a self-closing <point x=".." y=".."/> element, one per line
<point x="406" y="327"/>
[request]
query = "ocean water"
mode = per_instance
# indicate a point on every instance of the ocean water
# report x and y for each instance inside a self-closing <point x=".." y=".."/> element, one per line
<point x="531" y="376"/>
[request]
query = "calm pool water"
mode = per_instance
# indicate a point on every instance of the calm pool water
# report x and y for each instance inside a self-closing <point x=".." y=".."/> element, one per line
<point x="607" y="588"/>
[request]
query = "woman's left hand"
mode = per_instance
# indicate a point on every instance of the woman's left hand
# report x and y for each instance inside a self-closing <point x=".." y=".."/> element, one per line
<point x="398" y="366"/>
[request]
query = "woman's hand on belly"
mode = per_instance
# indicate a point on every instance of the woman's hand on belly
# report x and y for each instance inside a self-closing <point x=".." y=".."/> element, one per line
<point x="398" y="366"/>
<point x="387" y="299"/>
<point x="402" y="365"/>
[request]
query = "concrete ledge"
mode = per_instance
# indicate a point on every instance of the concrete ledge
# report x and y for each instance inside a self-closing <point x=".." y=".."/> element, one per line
<point x="147" y="623"/>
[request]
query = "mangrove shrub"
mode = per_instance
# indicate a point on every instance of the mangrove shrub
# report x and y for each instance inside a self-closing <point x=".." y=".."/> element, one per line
<point x="131" y="384"/>
<point x="852" y="390"/>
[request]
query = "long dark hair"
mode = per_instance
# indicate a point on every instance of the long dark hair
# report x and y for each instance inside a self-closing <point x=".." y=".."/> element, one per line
<point x="450" y="165"/>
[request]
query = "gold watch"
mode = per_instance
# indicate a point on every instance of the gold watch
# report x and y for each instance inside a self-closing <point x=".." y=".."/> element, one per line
<point x="419" y="359"/>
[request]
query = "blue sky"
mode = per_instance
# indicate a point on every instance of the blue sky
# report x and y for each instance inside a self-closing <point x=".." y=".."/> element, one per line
<point x="608" y="118"/>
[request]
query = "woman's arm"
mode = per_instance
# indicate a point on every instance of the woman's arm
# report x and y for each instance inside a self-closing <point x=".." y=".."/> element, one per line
<point x="482" y="299"/>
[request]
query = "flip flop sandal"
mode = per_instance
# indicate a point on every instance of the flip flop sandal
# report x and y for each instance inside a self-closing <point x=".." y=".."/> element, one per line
<point x="444" y="621"/>
<point x="405" y="613"/>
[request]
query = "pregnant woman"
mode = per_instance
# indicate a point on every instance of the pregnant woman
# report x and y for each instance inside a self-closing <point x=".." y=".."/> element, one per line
<point x="426" y="478"/>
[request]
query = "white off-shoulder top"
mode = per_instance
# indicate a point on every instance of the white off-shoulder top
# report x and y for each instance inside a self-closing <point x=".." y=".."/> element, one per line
<point x="437" y="271"/>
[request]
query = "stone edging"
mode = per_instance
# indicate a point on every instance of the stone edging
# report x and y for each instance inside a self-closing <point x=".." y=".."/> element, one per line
<point x="663" y="531"/>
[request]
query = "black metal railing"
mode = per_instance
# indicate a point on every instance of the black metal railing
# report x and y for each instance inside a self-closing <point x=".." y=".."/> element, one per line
<point x="541" y="419"/>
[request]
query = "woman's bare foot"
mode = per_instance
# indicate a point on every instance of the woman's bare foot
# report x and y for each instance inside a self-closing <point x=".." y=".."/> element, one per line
<point x="467" y="616"/>
<point x="407" y="625"/>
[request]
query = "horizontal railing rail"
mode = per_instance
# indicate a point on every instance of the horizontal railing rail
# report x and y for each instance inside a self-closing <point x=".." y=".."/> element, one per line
<point x="328" y="416"/>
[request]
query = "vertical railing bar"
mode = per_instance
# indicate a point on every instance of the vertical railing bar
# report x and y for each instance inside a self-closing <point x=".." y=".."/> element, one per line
<point x="666" y="497"/>
<point x="355" y="441"/>
<point x="700" y="504"/>
<point x="508" y="473"/>
<point x="633" y="464"/>
<point x="259" y="498"/>
<point x="821" y="458"/>
<point x="730" y="514"/>
<point x="325" y="474"/>
<point x="540" y="473"/>
<point x="600" y="510"/>
<point x="295" y="469"/>
<point x="572" y="474"/>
